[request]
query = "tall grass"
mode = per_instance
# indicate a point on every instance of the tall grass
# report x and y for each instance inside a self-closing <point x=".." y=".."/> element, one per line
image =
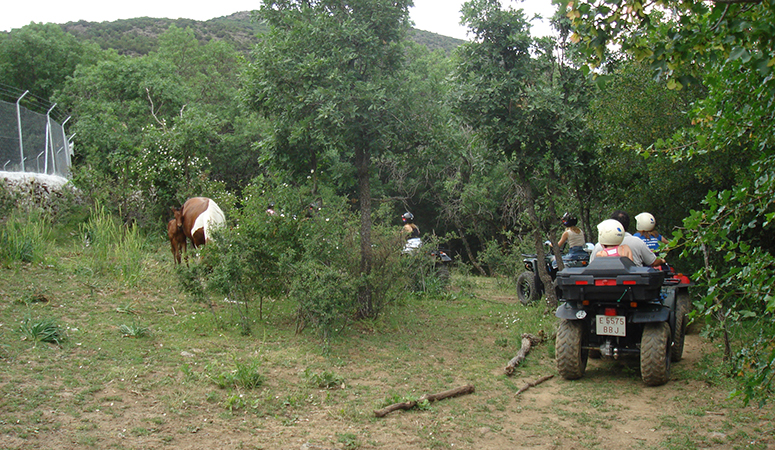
<point x="113" y="248"/>
<point x="24" y="237"/>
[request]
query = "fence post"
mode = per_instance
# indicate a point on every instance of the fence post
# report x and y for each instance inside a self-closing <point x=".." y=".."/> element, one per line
<point x="66" y="144"/>
<point x="19" y="123"/>
<point x="49" y="138"/>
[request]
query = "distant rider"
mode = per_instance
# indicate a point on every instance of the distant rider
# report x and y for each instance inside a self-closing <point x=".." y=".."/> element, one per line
<point x="411" y="232"/>
<point x="573" y="236"/>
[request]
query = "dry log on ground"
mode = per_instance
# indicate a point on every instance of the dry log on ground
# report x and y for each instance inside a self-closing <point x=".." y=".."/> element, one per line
<point x="528" y="340"/>
<point x="533" y="384"/>
<point x="462" y="390"/>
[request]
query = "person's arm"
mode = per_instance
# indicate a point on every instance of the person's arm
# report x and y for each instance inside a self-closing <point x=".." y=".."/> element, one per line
<point x="642" y="254"/>
<point x="626" y="251"/>
<point x="562" y="240"/>
<point x="598" y="248"/>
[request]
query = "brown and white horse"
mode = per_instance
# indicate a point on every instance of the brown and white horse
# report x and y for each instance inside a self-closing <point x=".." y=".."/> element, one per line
<point x="196" y="220"/>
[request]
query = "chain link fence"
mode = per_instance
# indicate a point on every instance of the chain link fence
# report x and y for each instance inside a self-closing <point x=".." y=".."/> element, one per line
<point x="32" y="140"/>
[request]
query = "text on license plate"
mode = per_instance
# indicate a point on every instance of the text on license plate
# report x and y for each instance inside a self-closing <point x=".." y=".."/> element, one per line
<point x="612" y="325"/>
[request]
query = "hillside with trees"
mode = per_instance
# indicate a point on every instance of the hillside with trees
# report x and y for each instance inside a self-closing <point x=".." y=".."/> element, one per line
<point x="139" y="36"/>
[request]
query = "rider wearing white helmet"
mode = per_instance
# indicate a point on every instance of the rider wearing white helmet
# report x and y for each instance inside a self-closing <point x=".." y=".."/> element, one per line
<point x="646" y="223"/>
<point x="641" y="255"/>
<point x="611" y="234"/>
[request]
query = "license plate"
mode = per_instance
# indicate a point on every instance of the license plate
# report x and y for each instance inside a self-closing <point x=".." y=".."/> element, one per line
<point x="612" y="325"/>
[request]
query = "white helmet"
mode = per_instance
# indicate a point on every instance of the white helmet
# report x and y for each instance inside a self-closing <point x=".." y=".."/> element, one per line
<point x="645" y="221"/>
<point x="610" y="232"/>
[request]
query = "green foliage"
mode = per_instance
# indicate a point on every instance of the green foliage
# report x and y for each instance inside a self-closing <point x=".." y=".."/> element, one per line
<point x="500" y="259"/>
<point x="42" y="330"/>
<point x="134" y="331"/>
<point x="677" y="37"/>
<point x="40" y="57"/>
<point x="112" y="248"/>
<point x="310" y="256"/>
<point x="326" y="295"/>
<point x="530" y="112"/>
<point x="324" y="380"/>
<point x="245" y="375"/>
<point x="732" y="234"/>
<point x="24" y="237"/>
<point x="328" y="75"/>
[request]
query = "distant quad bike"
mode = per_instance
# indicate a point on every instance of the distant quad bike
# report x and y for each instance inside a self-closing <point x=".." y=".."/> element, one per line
<point x="529" y="285"/>
<point x="613" y="308"/>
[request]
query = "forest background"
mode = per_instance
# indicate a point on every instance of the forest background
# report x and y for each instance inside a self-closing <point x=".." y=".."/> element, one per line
<point x="665" y="108"/>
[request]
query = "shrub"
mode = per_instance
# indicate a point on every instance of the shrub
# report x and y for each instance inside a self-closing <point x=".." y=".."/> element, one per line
<point x="24" y="237"/>
<point x="310" y="256"/>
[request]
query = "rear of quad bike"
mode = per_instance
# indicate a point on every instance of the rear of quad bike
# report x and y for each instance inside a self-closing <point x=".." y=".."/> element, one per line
<point x="530" y="288"/>
<point x="616" y="309"/>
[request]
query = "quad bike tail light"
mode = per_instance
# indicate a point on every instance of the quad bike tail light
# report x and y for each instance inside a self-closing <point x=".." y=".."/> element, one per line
<point x="610" y="311"/>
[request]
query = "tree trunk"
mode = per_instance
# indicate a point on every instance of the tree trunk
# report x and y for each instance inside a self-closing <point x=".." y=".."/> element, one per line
<point x="467" y="246"/>
<point x="551" y="190"/>
<point x="366" y="307"/>
<point x="546" y="279"/>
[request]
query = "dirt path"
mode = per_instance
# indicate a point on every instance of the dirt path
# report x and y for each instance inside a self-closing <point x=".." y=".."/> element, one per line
<point x="604" y="410"/>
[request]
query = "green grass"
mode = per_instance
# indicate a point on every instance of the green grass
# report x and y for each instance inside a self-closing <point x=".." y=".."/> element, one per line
<point x="196" y="373"/>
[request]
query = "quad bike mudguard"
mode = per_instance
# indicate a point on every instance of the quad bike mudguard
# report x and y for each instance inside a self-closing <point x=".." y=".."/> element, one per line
<point x="661" y="313"/>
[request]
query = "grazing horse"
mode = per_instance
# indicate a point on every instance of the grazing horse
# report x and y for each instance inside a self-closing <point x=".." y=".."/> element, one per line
<point x="177" y="239"/>
<point x="198" y="217"/>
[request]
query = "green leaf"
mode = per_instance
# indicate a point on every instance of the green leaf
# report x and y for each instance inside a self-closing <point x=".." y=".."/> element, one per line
<point x="739" y="53"/>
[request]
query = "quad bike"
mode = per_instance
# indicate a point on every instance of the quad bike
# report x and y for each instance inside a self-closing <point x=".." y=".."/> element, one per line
<point x="529" y="285"/>
<point x="440" y="257"/>
<point x="613" y="308"/>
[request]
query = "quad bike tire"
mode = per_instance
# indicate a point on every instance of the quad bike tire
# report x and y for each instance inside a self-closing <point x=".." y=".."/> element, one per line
<point x="655" y="354"/>
<point x="527" y="291"/>
<point x="569" y="349"/>
<point x="682" y="310"/>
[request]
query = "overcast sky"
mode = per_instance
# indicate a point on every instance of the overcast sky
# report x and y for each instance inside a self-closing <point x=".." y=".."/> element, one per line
<point x="438" y="16"/>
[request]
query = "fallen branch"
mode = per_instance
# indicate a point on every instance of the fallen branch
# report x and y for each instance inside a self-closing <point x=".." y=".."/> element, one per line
<point x="462" y="390"/>
<point x="528" y="340"/>
<point x="536" y="383"/>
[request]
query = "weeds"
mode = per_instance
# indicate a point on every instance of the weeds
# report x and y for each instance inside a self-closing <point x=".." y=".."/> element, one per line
<point x="114" y="250"/>
<point x="245" y="375"/>
<point x="23" y="238"/>
<point x="349" y="441"/>
<point x="134" y="331"/>
<point x="42" y="330"/>
<point x="325" y="380"/>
